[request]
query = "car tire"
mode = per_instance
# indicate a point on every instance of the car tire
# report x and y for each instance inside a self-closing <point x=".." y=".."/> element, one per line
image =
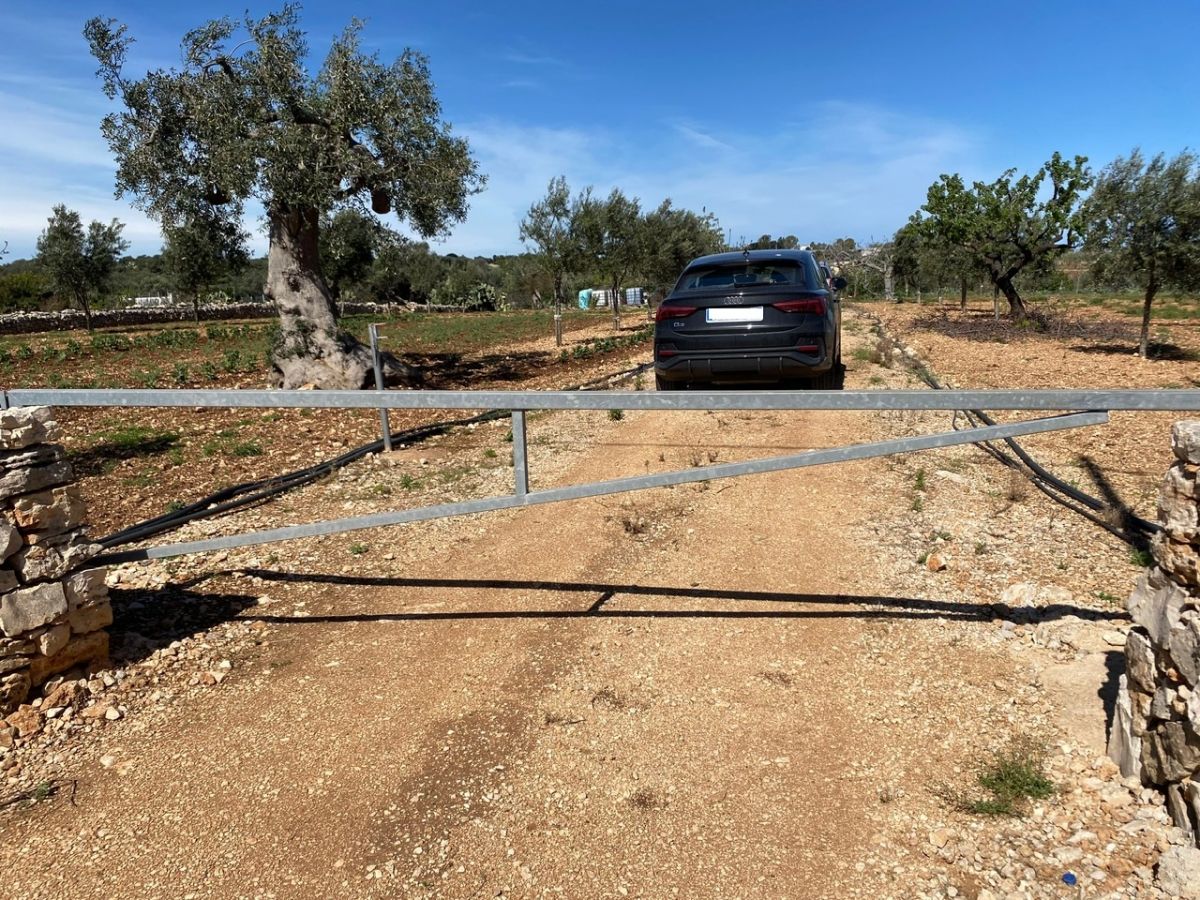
<point x="833" y="380"/>
<point x="661" y="384"/>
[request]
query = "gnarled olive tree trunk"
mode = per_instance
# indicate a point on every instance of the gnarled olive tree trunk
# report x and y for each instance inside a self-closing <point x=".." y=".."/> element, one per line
<point x="311" y="349"/>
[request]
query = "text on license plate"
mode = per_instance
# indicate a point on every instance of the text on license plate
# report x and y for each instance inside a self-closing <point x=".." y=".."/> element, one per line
<point x="734" y="314"/>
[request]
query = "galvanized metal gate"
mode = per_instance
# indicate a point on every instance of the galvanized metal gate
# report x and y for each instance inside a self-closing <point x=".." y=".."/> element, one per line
<point x="1092" y="408"/>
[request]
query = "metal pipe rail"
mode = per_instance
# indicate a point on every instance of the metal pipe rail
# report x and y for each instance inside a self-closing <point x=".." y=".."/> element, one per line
<point x="1045" y="400"/>
<point x="523" y="497"/>
<point x="1095" y="403"/>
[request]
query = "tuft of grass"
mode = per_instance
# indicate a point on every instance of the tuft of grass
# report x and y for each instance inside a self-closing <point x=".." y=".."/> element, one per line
<point x="919" y="482"/>
<point x="616" y="415"/>
<point x="358" y="549"/>
<point x="246" y="448"/>
<point x="1108" y="598"/>
<point x="1012" y="778"/>
<point x="918" y="504"/>
<point x="489" y="453"/>
<point x="1140" y="558"/>
<point x="409" y="483"/>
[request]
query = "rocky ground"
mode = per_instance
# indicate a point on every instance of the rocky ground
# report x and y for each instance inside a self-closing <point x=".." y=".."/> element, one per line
<point x="784" y="685"/>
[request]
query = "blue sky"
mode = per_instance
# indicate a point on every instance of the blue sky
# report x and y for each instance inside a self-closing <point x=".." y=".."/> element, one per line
<point x="819" y="120"/>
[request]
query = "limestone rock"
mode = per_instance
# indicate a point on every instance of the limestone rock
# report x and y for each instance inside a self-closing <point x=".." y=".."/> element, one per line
<point x="1184" y="647"/>
<point x="90" y="648"/>
<point x="27" y="609"/>
<point x="1181" y="561"/>
<point x="1170" y="752"/>
<point x="1179" y="873"/>
<point x="1178" y="807"/>
<point x="1177" y="509"/>
<point x="49" y="512"/>
<point x="85" y="587"/>
<point x="1185" y="441"/>
<point x="55" y="557"/>
<point x="1031" y="593"/>
<point x="14" y="689"/>
<point x="35" y="478"/>
<point x="8" y="580"/>
<point x="86" y="619"/>
<point x="1156" y="604"/>
<point x="1139" y="662"/>
<point x="23" y="426"/>
<point x="1124" y="747"/>
<point x="52" y="640"/>
<point x="10" y="540"/>
<point x="13" y="663"/>
<point x="27" y="721"/>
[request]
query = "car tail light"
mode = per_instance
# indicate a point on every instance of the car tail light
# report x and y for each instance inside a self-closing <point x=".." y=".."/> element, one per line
<point x="671" y="311"/>
<point x="664" y="348"/>
<point x="808" y="348"/>
<point x="814" y="305"/>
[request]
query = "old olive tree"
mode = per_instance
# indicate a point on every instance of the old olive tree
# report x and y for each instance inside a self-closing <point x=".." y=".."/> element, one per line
<point x="242" y="119"/>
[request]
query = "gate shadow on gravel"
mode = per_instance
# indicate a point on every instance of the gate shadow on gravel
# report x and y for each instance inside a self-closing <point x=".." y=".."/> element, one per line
<point x="601" y="593"/>
<point x="148" y="620"/>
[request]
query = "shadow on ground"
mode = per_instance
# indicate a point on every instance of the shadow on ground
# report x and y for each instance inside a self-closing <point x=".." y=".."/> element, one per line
<point x="599" y="594"/>
<point x="1163" y="351"/>
<point x="147" y="620"/>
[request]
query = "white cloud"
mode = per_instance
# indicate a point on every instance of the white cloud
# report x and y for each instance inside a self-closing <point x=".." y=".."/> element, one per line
<point x="835" y="170"/>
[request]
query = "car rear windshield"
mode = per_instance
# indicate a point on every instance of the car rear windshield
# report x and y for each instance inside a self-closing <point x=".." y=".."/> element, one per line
<point x="751" y="274"/>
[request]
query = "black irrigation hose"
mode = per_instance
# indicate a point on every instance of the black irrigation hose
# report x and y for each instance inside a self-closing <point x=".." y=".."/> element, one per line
<point x="1051" y="485"/>
<point x="249" y="493"/>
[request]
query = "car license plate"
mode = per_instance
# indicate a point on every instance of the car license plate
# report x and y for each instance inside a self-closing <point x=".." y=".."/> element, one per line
<point x="734" y="314"/>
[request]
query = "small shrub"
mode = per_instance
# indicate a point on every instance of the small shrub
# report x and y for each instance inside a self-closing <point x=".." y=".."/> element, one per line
<point x="1014" y="776"/>
<point x="231" y="361"/>
<point x="616" y="415"/>
<point x="409" y="483"/>
<point x="179" y="374"/>
<point x="209" y="371"/>
<point x="1140" y="558"/>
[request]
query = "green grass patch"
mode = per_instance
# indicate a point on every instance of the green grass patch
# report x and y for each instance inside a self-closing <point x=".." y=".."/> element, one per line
<point x="1008" y="782"/>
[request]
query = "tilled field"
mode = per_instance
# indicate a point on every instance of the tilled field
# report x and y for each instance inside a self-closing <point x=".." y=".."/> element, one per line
<point x="777" y="686"/>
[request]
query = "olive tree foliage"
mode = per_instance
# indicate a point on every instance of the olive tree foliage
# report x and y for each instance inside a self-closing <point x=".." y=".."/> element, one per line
<point x="79" y="263"/>
<point x="1010" y="223"/>
<point x="929" y="262"/>
<point x="673" y="237"/>
<point x="242" y="119"/>
<point x="614" y="239"/>
<point x="1144" y="227"/>
<point x="200" y="250"/>
<point x="553" y="230"/>
<point x="349" y="243"/>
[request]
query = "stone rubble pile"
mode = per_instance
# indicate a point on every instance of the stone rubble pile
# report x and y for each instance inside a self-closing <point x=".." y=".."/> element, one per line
<point x="52" y="612"/>
<point x="1156" y="731"/>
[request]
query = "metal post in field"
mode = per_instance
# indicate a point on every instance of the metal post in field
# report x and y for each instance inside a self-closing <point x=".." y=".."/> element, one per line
<point x="520" y="456"/>
<point x="384" y="424"/>
<point x="557" y="321"/>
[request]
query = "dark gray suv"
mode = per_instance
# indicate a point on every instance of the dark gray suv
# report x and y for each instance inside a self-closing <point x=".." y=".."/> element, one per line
<point x="757" y="316"/>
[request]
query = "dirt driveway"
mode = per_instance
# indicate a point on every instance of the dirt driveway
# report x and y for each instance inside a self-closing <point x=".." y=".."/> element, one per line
<point x="744" y="688"/>
<point x="675" y="693"/>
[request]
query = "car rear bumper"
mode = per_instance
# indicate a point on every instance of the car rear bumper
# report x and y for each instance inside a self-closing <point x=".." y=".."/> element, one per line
<point x="741" y="367"/>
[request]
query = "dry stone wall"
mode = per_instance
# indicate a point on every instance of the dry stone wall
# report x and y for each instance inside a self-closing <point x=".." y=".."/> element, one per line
<point x="38" y="321"/>
<point x="53" y="610"/>
<point x="1156" y="730"/>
